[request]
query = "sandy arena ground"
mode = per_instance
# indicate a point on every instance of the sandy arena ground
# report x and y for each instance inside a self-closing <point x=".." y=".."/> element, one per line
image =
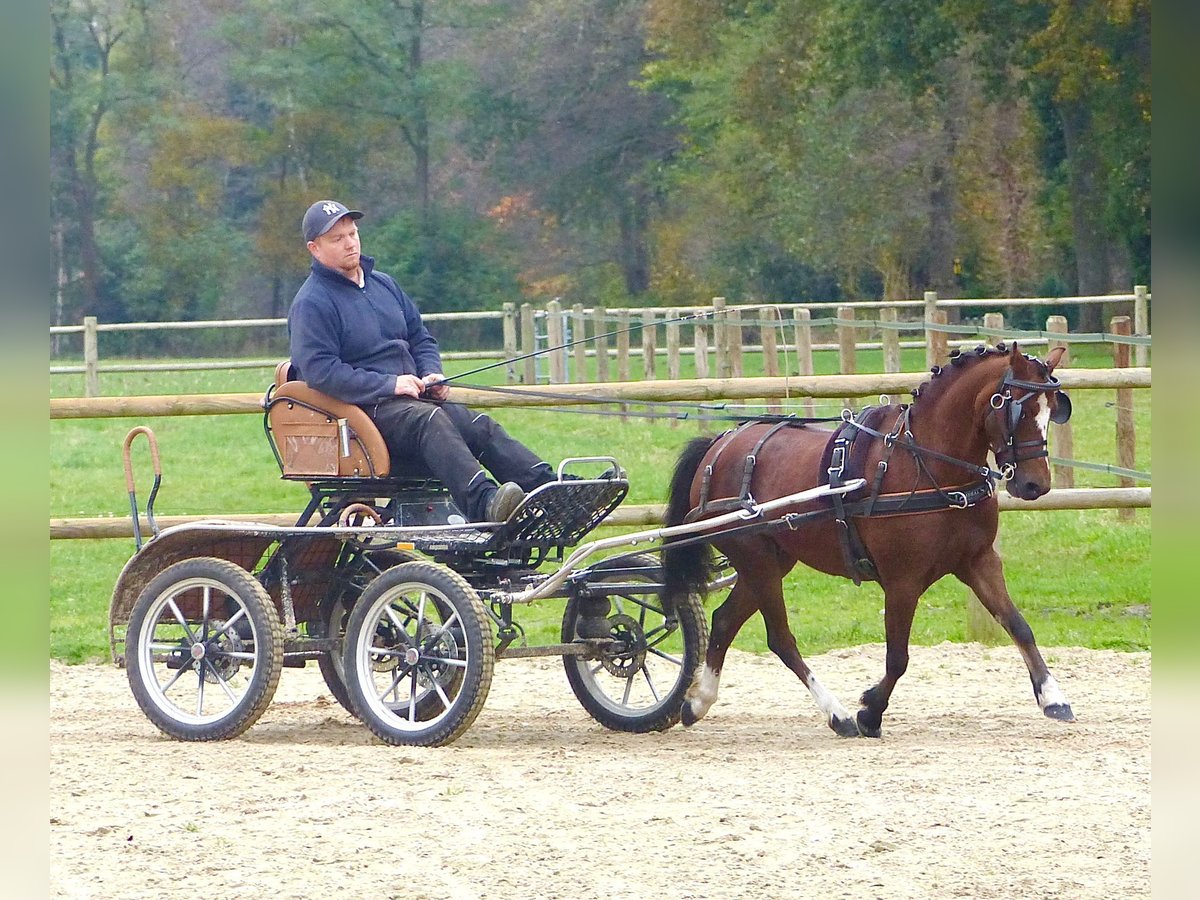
<point x="971" y="792"/>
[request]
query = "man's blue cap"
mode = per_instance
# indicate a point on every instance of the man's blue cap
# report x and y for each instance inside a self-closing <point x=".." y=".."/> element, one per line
<point x="322" y="215"/>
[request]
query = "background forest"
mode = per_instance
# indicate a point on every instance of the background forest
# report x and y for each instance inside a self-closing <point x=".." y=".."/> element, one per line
<point x="641" y="152"/>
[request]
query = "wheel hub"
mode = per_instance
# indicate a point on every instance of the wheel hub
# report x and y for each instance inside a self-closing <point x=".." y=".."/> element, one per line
<point x="216" y="652"/>
<point x="627" y="652"/>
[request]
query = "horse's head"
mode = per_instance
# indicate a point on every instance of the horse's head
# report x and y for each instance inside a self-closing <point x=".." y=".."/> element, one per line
<point x="1025" y="399"/>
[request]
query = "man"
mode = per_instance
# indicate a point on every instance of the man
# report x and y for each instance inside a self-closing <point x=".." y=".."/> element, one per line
<point x="356" y="336"/>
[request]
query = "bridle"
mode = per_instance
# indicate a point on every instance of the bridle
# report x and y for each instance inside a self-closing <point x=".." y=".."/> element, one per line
<point x="1010" y="452"/>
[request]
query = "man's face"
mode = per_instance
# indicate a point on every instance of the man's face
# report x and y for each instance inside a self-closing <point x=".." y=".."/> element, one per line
<point x="339" y="247"/>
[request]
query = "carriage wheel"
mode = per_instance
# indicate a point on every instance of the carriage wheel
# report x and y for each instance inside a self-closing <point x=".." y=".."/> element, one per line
<point x="418" y="655"/>
<point x="204" y="650"/>
<point x="334" y="610"/>
<point x="637" y="682"/>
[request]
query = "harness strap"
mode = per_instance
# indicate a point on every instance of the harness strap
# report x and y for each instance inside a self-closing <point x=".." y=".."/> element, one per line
<point x="744" y="499"/>
<point x="859" y="564"/>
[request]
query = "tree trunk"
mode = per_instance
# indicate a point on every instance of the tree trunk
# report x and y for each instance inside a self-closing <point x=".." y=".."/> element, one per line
<point x="634" y="255"/>
<point x="1085" y="183"/>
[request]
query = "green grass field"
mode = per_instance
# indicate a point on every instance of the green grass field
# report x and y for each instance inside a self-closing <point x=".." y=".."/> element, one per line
<point x="1081" y="577"/>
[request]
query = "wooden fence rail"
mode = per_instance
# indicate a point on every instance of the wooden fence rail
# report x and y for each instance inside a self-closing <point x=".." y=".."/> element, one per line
<point x="735" y="332"/>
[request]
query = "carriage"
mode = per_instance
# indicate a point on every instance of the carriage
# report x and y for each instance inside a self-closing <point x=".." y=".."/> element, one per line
<point x="403" y="605"/>
<point x="406" y="607"/>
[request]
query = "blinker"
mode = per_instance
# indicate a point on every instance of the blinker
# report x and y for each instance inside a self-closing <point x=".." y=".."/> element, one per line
<point x="1062" y="409"/>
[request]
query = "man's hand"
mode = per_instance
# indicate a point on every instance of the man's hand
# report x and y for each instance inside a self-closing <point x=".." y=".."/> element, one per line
<point x="409" y="386"/>
<point x="435" y="386"/>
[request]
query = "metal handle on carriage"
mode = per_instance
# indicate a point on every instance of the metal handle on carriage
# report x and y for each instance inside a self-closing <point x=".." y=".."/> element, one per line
<point x="551" y="584"/>
<point x="129" y="485"/>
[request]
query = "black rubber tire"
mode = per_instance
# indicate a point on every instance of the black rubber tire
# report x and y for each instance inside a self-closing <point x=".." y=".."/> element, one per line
<point x="211" y="678"/>
<point x="430" y="613"/>
<point x="334" y="610"/>
<point x="646" y="691"/>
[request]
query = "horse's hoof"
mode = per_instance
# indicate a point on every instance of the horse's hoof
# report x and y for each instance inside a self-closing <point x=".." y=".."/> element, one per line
<point x="844" y="727"/>
<point x="1060" y="712"/>
<point x="865" y="728"/>
<point x="687" y="716"/>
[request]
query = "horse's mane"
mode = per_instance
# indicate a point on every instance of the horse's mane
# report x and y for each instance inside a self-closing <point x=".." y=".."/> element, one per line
<point x="927" y="392"/>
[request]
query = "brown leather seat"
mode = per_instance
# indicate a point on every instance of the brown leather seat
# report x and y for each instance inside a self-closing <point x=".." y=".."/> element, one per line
<point x="317" y="436"/>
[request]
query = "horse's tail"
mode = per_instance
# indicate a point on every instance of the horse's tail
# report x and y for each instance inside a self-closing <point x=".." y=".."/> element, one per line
<point x="688" y="568"/>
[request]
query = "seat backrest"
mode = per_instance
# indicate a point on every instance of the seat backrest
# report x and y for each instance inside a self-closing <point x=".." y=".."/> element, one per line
<point x="317" y="436"/>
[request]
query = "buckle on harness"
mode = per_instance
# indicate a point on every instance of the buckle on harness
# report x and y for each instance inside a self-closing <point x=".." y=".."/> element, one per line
<point x="837" y="461"/>
<point x="961" y="502"/>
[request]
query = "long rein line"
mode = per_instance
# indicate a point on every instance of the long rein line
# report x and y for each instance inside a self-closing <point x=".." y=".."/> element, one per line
<point x="671" y="407"/>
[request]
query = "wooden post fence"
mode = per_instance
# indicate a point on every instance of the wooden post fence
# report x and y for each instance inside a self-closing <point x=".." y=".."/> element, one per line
<point x="804" y="356"/>
<point x="555" y="339"/>
<point x="578" y="334"/>
<point x="1062" y="437"/>
<point x="1141" y="322"/>
<point x="769" y="317"/>
<point x="1126" y="446"/>
<point x="673" y="368"/>
<point x="528" y="344"/>
<point x="890" y="338"/>
<point x="649" y="345"/>
<point x="600" y="330"/>
<point x="510" y="342"/>
<point x="847" y="349"/>
<point x="91" y="358"/>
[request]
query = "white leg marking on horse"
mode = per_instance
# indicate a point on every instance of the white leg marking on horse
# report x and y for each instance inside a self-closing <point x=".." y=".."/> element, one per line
<point x="1050" y="694"/>
<point x="826" y="702"/>
<point x="703" y="692"/>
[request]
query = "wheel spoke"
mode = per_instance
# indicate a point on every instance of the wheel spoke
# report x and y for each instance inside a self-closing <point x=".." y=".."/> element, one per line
<point x="661" y="654"/>
<point x="649" y="683"/>
<point x="405" y="672"/>
<point x="174" y="678"/>
<point x="445" y="661"/>
<point x="179" y="617"/>
<point x="221" y="681"/>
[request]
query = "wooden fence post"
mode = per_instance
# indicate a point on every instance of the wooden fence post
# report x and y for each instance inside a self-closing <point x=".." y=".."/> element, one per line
<point x="891" y="339"/>
<point x="721" y="338"/>
<point x="578" y="336"/>
<point x="847" y="336"/>
<point x="673" y="370"/>
<point x="700" y="342"/>
<point x="554" y="341"/>
<point x="91" y="358"/>
<point x="1126" y="455"/>
<point x="528" y="343"/>
<point x="600" y="330"/>
<point x="802" y="316"/>
<point x="769" y="316"/>
<point x="649" y="344"/>
<point x="1141" y="322"/>
<point x="1062" y="437"/>
<point x="734" y="334"/>
<point x="939" y="346"/>
<point x="510" y="341"/>
<point x="930" y="320"/>
<point x="623" y="354"/>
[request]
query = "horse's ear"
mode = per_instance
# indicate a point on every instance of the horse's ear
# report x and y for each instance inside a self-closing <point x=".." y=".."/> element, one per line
<point x="1054" y="357"/>
<point x="1014" y="355"/>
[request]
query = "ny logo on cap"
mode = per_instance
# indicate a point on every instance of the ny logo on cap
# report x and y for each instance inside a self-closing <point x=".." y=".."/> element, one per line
<point x="330" y="208"/>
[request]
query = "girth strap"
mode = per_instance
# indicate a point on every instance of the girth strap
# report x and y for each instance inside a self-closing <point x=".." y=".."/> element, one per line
<point x="842" y="463"/>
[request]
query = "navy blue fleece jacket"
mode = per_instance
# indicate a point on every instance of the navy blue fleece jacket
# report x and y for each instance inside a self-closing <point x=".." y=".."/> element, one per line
<point x="352" y="342"/>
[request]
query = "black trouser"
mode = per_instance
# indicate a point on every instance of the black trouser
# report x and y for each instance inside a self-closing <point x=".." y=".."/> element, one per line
<point x="452" y="441"/>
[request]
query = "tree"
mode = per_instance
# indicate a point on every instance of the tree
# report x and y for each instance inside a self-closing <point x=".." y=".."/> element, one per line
<point x="565" y="123"/>
<point x="85" y="86"/>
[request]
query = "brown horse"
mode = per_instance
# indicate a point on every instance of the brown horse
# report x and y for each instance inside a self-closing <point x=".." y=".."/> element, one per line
<point x="927" y="510"/>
